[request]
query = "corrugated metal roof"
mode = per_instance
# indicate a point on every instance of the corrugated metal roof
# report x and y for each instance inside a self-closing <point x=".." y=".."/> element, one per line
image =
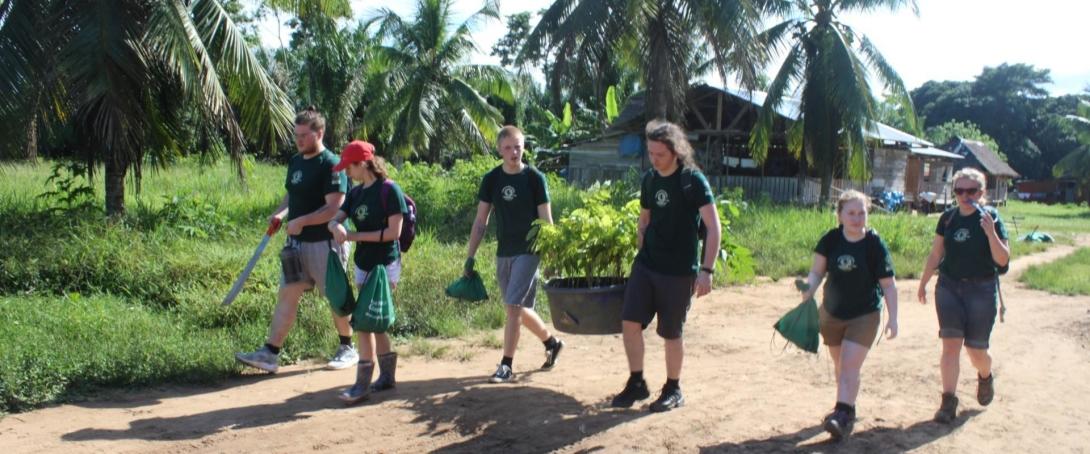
<point x="932" y="151"/>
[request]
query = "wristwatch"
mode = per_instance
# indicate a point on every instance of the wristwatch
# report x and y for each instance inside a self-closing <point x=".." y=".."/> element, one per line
<point x="707" y="270"/>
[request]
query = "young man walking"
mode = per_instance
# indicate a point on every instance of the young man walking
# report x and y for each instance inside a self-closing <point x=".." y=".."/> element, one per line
<point x="675" y="199"/>
<point x="519" y="195"/>
<point x="314" y="195"/>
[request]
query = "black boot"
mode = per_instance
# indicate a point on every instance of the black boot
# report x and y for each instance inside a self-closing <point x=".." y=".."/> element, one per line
<point x="387" y="365"/>
<point x="362" y="389"/>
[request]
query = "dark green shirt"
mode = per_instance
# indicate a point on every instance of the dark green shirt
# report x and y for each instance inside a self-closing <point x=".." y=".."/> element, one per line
<point x="515" y="199"/>
<point x="671" y="242"/>
<point x="308" y="182"/>
<point x="967" y="252"/>
<point x="364" y="207"/>
<point x="852" y="273"/>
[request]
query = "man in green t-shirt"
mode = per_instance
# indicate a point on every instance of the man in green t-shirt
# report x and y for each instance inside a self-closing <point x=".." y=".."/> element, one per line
<point x="314" y="195"/>
<point x="519" y="195"/>
<point x="674" y="199"/>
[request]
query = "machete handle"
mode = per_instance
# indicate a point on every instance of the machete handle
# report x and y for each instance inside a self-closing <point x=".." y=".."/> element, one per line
<point x="274" y="225"/>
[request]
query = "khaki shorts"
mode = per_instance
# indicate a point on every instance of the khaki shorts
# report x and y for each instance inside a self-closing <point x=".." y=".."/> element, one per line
<point x="860" y="330"/>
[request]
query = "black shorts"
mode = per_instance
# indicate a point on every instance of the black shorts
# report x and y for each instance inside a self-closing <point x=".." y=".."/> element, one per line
<point x="966" y="309"/>
<point x="649" y="293"/>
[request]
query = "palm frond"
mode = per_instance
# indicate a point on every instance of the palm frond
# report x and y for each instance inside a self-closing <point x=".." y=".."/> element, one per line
<point x="790" y="71"/>
<point x="863" y="6"/>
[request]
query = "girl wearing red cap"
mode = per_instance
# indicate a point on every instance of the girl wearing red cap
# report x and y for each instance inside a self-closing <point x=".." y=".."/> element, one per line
<point x="377" y="224"/>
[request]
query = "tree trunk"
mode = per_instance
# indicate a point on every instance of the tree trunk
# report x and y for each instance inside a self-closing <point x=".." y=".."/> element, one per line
<point x="115" y="186"/>
<point x="32" y="139"/>
<point x="826" y="185"/>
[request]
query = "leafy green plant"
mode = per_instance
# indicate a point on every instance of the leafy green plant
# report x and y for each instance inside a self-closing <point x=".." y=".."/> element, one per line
<point x="71" y="188"/>
<point x="591" y="242"/>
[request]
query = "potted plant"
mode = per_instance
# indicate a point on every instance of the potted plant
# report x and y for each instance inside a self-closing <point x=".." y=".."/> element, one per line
<point x="586" y="253"/>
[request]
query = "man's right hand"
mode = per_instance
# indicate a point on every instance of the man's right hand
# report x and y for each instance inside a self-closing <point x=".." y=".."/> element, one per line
<point x="274" y="225"/>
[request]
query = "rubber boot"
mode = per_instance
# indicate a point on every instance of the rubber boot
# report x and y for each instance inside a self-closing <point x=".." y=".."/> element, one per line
<point x="359" y="391"/>
<point x="387" y="364"/>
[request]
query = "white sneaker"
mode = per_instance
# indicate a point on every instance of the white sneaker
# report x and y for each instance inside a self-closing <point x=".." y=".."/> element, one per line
<point x="346" y="357"/>
<point x="262" y="359"/>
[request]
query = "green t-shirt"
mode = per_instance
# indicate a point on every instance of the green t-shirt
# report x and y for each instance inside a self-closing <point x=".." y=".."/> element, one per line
<point x="853" y="270"/>
<point x="364" y="207"/>
<point x="671" y="242"/>
<point x="308" y="182"/>
<point x="967" y="252"/>
<point x="515" y="199"/>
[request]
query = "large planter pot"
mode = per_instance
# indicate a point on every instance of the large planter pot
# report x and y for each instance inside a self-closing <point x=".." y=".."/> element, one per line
<point x="578" y="309"/>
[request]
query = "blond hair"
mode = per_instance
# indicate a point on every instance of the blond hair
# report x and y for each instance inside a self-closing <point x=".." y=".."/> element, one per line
<point x="850" y="196"/>
<point x="972" y="174"/>
<point x="509" y="131"/>
<point x="674" y="138"/>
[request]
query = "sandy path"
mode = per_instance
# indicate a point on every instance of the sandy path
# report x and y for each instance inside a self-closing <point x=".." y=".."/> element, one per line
<point x="743" y="395"/>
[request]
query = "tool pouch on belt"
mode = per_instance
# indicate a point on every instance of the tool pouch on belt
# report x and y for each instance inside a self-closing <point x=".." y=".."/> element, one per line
<point x="291" y="262"/>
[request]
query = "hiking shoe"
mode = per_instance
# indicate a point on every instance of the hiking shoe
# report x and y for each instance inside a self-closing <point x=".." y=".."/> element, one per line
<point x="632" y="392"/>
<point x="503" y="374"/>
<point x="551" y="354"/>
<point x="262" y="359"/>
<point x="346" y="357"/>
<point x="948" y="410"/>
<point x="839" y="424"/>
<point x="985" y="389"/>
<point x="668" y="400"/>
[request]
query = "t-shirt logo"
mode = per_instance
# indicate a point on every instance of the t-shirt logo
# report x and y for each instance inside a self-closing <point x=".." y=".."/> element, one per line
<point x="961" y="235"/>
<point x="508" y="193"/>
<point x="845" y="263"/>
<point x="662" y="198"/>
<point x="296" y="176"/>
<point x="361" y="212"/>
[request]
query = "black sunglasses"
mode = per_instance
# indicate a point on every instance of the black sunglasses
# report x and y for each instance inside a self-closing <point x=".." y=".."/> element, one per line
<point x="966" y="191"/>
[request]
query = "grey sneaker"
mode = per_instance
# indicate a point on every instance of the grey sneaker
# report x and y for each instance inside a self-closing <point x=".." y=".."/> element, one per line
<point x="503" y="374"/>
<point x="346" y="357"/>
<point x="262" y="359"/>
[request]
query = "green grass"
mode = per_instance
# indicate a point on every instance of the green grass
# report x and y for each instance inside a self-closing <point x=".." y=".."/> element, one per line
<point x="1066" y="276"/>
<point x="1061" y="220"/>
<point x="135" y="301"/>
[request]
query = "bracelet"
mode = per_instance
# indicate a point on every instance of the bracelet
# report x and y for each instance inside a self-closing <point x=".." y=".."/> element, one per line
<point x="707" y="270"/>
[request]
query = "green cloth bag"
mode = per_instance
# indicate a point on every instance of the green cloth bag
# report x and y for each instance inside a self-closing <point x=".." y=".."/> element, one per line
<point x="468" y="288"/>
<point x="800" y="325"/>
<point x="375" y="305"/>
<point x="338" y="289"/>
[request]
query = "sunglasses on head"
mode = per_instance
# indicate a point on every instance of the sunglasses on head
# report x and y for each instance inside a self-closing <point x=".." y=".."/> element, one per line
<point x="966" y="191"/>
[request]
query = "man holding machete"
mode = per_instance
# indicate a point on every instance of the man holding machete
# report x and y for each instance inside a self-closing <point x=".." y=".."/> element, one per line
<point x="315" y="194"/>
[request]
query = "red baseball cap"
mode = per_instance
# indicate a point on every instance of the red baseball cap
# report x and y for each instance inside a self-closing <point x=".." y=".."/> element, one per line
<point x="355" y="151"/>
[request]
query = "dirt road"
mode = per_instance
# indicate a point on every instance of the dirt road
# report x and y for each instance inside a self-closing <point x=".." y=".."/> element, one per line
<point x="742" y="395"/>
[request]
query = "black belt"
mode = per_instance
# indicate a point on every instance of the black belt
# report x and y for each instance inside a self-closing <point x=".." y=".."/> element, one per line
<point x="978" y="279"/>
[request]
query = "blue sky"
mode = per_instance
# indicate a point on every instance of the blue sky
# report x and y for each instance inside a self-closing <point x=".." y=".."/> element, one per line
<point x="950" y="40"/>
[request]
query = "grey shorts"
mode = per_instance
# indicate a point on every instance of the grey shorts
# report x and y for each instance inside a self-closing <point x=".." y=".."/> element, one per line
<point x="315" y="256"/>
<point x="648" y="294"/>
<point x="393" y="273"/>
<point x="966" y="309"/>
<point x="517" y="277"/>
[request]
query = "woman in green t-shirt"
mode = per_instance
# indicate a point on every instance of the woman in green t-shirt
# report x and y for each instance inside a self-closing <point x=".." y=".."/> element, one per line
<point x="377" y="225"/>
<point x="860" y="271"/>
<point x="969" y="248"/>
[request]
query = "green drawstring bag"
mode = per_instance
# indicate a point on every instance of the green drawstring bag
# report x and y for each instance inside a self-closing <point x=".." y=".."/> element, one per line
<point x="375" y="305"/>
<point x="469" y="287"/>
<point x="800" y="325"/>
<point x="338" y="289"/>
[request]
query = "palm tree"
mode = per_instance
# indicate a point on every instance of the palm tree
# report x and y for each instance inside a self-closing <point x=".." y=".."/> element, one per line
<point x="827" y="61"/>
<point x="663" y="38"/>
<point x="127" y="76"/>
<point x="434" y="104"/>
<point x="1077" y="163"/>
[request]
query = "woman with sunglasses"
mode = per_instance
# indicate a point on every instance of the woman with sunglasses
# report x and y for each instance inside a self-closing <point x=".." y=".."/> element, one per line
<point x="970" y="246"/>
